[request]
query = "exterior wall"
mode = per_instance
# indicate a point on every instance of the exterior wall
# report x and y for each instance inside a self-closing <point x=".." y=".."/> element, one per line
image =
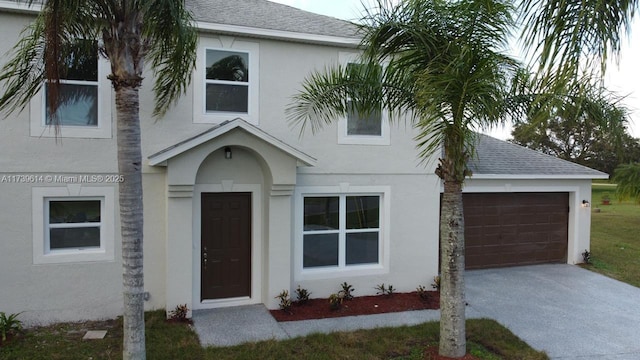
<point x="50" y="292"/>
<point x="579" y="216"/>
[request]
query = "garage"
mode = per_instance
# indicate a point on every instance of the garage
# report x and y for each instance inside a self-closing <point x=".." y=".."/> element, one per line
<point x="510" y="229"/>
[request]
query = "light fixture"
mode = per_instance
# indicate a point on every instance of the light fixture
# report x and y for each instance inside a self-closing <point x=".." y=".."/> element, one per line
<point x="585" y="203"/>
<point x="227" y="153"/>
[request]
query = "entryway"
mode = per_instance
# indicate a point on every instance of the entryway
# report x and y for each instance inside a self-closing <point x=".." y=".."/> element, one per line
<point x="225" y="260"/>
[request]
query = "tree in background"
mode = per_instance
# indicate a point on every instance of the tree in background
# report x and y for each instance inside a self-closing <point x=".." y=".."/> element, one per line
<point x="627" y="177"/>
<point x="589" y="130"/>
<point x="133" y="34"/>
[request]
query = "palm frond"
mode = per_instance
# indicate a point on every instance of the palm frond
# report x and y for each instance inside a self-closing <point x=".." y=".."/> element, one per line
<point x="565" y="35"/>
<point x="172" y="41"/>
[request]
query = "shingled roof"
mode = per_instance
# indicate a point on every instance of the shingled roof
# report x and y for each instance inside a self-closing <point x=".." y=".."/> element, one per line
<point x="263" y="14"/>
<point x="501" y="158"/>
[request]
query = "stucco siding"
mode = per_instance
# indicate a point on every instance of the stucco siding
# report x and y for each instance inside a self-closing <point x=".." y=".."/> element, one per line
<point x="50" y="292"/>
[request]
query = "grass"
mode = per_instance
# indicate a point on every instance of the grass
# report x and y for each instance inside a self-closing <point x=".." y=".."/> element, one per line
<point x="486" y="339"/>
<point x="615" y="244"/>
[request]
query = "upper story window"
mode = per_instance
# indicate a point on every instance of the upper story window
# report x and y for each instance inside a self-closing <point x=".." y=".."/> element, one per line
<point x="84" y="108"/>
<point x="226" y="81"/>
<point x="78" y="98"/>
<point x="359" y="129"/>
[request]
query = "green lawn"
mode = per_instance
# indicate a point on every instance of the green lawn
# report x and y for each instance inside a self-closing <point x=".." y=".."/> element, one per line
<point x="615" y="237"/>
<point x="487" y="340"/>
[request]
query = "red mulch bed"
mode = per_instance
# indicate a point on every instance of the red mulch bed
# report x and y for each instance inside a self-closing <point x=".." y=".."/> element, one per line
<point x="361" y="305"/>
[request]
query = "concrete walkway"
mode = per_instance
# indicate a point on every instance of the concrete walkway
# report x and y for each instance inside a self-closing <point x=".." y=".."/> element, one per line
<point x="568" y="312"/>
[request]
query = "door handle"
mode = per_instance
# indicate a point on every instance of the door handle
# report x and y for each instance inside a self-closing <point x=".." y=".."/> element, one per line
<point x="204" y="257"/>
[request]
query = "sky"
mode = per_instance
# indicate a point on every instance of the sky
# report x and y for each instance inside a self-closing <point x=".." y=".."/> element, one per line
<point x="623" y="78"/>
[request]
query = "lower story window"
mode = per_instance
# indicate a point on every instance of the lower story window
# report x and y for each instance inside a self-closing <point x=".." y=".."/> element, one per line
<point x="341" y="231"/>
<point x="73" y="224"/>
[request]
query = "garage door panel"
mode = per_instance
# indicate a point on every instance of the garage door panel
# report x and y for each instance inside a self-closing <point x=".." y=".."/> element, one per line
<point x="508" y="229"/>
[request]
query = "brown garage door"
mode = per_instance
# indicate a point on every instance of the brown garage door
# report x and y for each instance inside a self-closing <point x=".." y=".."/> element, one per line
<point x="508" y="229"/>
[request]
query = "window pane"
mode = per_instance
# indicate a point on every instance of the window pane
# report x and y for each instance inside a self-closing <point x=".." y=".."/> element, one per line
<point x="362" y="248"/>
<point x="320" y="250"/>
<point x="359" y="125"/>
<point x="81" y="61"/>
<point x="74" y="238"/>
<point x="321" y="213"/>
<point x="78" y="106"/>
<point x="74" y="211"/>
<point x="363" y="212"/>
<point x="227" y="65"/>
<point x="232" y="98"/>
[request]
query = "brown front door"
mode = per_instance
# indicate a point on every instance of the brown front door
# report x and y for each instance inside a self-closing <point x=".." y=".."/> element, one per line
<point x="225" y="260"/>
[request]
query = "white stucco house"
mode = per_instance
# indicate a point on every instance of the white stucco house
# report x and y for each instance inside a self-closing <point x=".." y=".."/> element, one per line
<point x="238" y="206"/>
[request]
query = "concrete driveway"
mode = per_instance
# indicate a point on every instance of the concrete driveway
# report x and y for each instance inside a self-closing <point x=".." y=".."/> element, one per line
<point x="564" y="310"/>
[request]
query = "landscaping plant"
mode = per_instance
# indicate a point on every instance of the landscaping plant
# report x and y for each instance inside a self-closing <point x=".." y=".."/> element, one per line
<point x="285" y="301"/>
<point x="180" y="313"/>
<point x="9" y="325"/>
<point x="347" y="291"/>
<point x="302" y="294"/>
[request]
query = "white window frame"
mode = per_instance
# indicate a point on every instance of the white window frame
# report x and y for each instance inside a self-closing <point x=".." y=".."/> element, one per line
<point x="330" y="272"/>
<point x="225" y="43"/>
<point x="37" y="111"/>
<point x="41" y="196"/>
<point x="344" y="138"/>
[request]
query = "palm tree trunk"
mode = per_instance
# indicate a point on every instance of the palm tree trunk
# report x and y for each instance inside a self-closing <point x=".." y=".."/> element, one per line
<point x="452" y="300"/>
<point x="131" y="219"/>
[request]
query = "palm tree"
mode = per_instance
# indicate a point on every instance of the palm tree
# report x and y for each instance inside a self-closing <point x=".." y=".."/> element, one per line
<point x="445" y="71"/>
<point x="132" y="33"/>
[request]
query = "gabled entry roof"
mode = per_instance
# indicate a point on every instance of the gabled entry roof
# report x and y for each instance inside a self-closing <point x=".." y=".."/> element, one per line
<point x="501" y="159"/>
<point x="160" y="158"/>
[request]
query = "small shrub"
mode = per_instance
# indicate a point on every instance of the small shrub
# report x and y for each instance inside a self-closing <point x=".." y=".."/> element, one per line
<point x="335" y="300"/>
<point x="423" y="293"/>
<point x="302" y="294"/>
<point x="436" y="283"/>
<point x="382" y="289"/>
<point x="180" y="313"/>
<point x="285" y="301"/>
<point x="347" y="291"/>
<point x="586" y="256"/>
<point x="9" y="325"/>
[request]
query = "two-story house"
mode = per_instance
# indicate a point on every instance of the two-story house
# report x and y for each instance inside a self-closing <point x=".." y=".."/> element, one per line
<point x="237" y="205"/>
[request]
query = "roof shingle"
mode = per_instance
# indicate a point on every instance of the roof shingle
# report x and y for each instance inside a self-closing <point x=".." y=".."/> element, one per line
<point x="497" y="157"/>
<point x="265" y="14"/>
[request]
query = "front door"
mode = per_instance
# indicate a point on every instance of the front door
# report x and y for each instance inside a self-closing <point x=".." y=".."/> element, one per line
<point x="225" y="260"/>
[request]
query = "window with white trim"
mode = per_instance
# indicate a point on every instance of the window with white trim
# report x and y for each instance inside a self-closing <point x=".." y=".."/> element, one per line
<point x="341" y="231"/>
<point x="358" y="129"/>
<point x="358" y="125"/>
<point x="226" y="80"/>
<point x="84" y="97"/>
<point x="73" y="224"/>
